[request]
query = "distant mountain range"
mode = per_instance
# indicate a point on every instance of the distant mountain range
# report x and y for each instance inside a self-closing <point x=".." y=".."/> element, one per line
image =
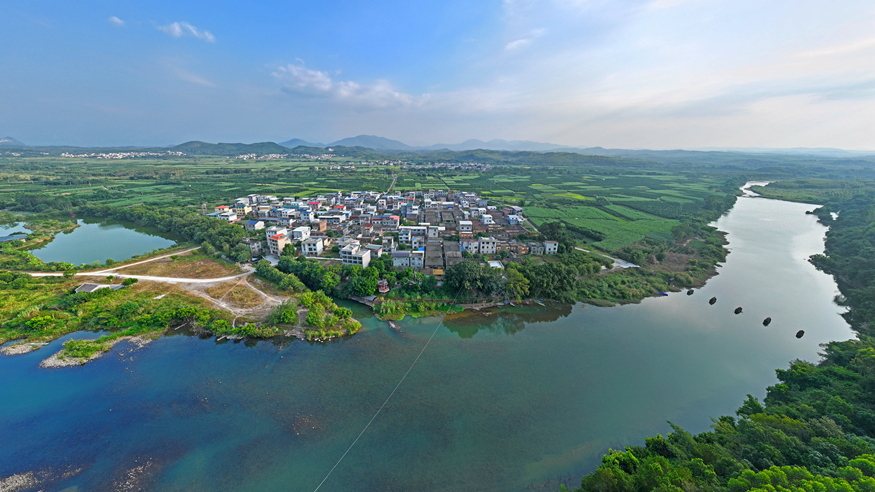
<point x="372" y="146"/>
<point x="10" y="142"/>
<point x="382" y="143"/>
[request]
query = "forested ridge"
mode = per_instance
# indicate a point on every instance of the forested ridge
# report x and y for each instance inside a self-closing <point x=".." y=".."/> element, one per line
<point x="815" y="430"/>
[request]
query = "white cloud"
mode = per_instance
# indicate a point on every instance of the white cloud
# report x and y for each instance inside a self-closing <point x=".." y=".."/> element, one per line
<point x="298" y="79"/>
<point x="116" y="21"/>
<point x="180" y="29"/>
<point x="519" y="43"/>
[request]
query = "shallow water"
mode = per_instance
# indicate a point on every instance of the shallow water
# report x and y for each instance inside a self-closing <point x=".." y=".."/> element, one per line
<point x="513" y="401"/>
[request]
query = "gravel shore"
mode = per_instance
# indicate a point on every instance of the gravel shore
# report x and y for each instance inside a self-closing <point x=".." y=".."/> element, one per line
<point x="17" y="482"/>
<point x="55" y="361"/>
<point x="18" y="349"/>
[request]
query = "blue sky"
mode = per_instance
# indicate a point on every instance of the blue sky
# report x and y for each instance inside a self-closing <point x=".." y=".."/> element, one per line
<point x="633" y="74"/>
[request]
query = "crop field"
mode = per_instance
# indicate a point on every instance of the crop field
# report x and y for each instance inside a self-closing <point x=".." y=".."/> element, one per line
<point x="626" y="208"/>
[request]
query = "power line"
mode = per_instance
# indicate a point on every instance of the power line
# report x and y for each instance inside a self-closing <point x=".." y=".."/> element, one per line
<point x="390" y="395"/>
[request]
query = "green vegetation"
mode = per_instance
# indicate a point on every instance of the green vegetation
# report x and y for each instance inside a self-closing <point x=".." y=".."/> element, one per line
<point x="327" y="319"/>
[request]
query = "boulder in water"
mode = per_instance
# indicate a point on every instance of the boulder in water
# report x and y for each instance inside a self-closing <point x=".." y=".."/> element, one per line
<point x="800" y="333"/>
<point x="690" y="292"/>
<point x="738" y="310"/>
<point x="767" y="321"/>
<point x="712" y="301"/>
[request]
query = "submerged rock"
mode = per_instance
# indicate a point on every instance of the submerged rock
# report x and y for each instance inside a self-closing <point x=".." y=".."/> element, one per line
<point x="800" y="333"/>
<point x="738" y="310"/>
<point x="767" y="321"/>
<point x="712" y="301"/>
<point x="690" y="292"/>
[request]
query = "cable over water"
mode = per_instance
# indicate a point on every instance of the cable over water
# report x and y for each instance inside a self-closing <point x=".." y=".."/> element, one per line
<point x="441" y="323"/>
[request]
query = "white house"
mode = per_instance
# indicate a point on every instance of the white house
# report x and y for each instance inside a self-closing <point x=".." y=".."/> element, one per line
<point x="472" y="247"/>
<point x="486" y="219"/>
<point x="254" y="225"/>
<point x="488" y="245"/>
<point x="514" y="219"/>
<point x="274" y="230"/>
<point x="466" y="227"/>
<point x="228" y="216"/>
<point x="300" y="233"/>
<point x="551" y="247"/>
<point x="354" y="254"/>
<point x="312" y="246"/>
<point x="434" y="232"/>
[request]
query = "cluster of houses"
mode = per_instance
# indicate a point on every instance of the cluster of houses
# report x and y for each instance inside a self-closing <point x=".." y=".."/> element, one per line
<point x="426" y="231"/>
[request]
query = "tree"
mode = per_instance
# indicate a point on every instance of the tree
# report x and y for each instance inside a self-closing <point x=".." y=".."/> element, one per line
<point x="517" y="284"/>
<point x="208" y="249"/>
<point x="470" y="275"/>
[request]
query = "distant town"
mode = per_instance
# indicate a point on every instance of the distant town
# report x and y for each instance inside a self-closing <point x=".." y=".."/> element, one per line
<point x="426" y="231"/>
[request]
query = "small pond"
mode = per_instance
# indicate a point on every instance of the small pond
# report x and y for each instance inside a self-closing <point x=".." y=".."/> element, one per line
<point x="101" y="239"/>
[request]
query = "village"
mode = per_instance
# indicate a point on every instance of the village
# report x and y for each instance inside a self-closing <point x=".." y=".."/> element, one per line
<point x="426" y="231"/>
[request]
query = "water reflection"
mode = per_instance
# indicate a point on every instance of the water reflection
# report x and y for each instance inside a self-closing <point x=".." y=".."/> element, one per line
<point x="507" y="320"/>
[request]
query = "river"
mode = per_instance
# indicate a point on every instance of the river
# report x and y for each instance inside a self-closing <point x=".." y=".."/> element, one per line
<point x="512" y="402"/>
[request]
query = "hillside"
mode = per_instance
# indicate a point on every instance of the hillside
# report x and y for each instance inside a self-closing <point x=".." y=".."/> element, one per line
<point x="203" y="148"/>
<point x="10" y="142"/>
<point x="297" y="142"/>
<point x="371" y="142"/>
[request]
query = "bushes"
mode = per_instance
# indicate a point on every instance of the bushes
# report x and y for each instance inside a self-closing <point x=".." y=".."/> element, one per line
<point x="83" y="349"/>
<point x="285" y="281"/>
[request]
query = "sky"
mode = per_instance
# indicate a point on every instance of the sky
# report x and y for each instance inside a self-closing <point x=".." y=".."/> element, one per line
<point x="658" y="74"/>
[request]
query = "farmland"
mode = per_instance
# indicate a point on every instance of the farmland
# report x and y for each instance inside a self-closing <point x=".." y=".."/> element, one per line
<point x="624" y="205"/>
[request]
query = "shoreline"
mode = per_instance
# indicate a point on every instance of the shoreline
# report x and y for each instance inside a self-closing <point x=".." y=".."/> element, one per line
<point x="57" y="361"/>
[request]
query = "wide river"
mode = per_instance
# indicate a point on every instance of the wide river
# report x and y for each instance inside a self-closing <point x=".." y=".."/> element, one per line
<point x="517" y="401"/>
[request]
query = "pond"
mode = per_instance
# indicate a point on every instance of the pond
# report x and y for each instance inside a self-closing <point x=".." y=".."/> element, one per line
<point x="518" y="401"/>
<point x="102" y="239"/>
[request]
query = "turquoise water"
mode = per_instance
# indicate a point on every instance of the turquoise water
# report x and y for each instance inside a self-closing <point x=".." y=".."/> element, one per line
<point x="102" y="239"/>
<point x="8" y="229"/>
<point x="517" y="401"/>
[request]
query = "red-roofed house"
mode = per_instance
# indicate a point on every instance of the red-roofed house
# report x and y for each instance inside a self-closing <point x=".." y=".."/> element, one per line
<point x="277" y="243"/>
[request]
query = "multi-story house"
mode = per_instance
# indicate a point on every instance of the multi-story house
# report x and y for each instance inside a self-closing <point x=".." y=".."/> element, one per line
<point x="312" y="246"/>
<point x="488" y="246"/>
<point x="276" y="243"/>
<point x="355" y="254"/>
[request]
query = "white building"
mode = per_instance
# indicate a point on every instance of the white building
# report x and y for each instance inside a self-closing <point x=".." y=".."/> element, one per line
<point x="434" y="232"/>
<point x="274" y="230"/>
<point x="551" y="247"/>
<point x="486" y="219"/>
<point x="466" y="227"/>
<point x="300" y="233"/>
<point x="488" y="245"/>
<point x="228" y="216"/>
<point x="254" y="225"/>
<point x="354" y="254"/>
<point x="417" y="259"/>
<point x="406" y="234"/>
<point x="472" y="247"/>
<point x="514" y="219"/>
<point x="312" y="246"/>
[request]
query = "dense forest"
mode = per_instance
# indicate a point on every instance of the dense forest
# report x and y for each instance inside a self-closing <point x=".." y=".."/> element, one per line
<point x="815" y="430"/>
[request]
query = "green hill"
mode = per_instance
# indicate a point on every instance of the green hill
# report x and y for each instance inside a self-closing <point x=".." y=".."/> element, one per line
<point x="203" y="148"/>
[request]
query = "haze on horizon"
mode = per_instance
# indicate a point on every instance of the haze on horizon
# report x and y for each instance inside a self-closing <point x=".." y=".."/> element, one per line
<point x="654" y="74"/>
